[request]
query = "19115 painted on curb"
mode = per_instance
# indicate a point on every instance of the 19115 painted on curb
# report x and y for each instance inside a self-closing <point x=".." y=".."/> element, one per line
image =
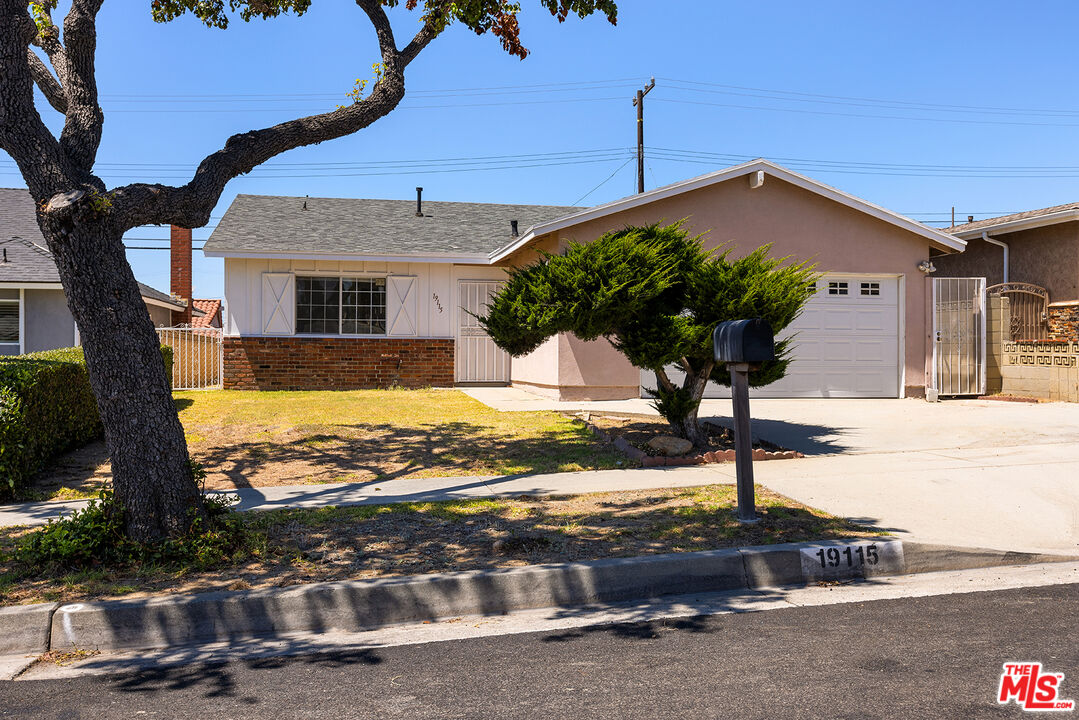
<point x="840" y="560"/>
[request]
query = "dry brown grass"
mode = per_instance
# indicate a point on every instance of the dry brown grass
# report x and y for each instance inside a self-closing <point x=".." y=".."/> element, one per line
<point x="287" y="547"/>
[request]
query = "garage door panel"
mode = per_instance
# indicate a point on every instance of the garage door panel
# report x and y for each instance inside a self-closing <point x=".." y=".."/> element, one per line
<point x="844" y="345"/>
<point x="838" y="320"/>
<point x="878" y="321"/>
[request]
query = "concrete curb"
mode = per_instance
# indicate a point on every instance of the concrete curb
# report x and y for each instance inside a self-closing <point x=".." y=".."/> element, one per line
<point x="185" y="620"/>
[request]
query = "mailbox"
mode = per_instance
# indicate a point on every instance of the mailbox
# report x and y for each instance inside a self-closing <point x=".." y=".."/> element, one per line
<point x="744" y="341"/>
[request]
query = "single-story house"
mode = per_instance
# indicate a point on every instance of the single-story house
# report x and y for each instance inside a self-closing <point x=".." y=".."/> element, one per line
<point x="33" y="310"/>
<point x="349" y="293"/>
<point x="1040" y="247"/>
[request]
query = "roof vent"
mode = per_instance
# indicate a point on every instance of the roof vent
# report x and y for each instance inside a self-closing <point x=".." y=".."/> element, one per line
<point x="970" y="218"/>
<point x="513" y="228"/>
<point x="305" y="202"/>
<point x="419" y="202"/>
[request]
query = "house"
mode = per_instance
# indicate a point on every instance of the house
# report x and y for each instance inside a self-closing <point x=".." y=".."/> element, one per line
<point x="33" y="310"/>
<point x="1040" y="247"/>
<point x="343" y="293"/>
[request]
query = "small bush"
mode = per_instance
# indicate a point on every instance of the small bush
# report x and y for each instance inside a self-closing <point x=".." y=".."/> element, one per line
<point x="94" y="537"/>
<point x="46" y="408"/>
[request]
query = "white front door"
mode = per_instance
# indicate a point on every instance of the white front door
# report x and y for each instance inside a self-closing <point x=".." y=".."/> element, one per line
<point x="478" y="359"/>
<point x="846" y="343"/>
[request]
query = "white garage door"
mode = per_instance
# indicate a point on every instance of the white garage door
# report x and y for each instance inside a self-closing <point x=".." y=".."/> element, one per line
<point x="846" y="343"/>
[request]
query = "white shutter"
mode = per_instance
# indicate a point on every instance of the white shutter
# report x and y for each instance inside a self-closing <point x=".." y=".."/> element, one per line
<point x="278" y="303"/>
<point x="401" y="305"/>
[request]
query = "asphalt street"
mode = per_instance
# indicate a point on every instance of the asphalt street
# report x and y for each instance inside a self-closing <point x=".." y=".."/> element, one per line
<point x="926" y="657"/>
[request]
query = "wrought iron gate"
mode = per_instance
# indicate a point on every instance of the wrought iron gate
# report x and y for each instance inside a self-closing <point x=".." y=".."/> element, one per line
<point x="197" y="357"/>
<point x="959" y="336"/>
<point x="1023" y="310"/>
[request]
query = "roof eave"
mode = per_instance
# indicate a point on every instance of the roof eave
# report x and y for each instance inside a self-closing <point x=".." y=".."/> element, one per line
<point x="462" y="258"/>
<point x="937" y="238"/>
<point x="1022" y="224"/>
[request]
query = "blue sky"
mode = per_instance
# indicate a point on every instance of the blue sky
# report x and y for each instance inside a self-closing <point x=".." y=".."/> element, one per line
<point x="917" y="106"/>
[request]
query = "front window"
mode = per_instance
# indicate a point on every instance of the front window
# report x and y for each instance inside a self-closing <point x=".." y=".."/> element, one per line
<point x="9" y="322"/>
<point x="341" y="306"/>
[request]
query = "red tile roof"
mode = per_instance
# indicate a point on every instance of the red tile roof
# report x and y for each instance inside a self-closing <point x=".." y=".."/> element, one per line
<point x="211" y="316"/>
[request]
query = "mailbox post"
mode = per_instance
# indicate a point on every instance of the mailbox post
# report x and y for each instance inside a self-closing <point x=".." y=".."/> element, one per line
<point x="742" y="345"/>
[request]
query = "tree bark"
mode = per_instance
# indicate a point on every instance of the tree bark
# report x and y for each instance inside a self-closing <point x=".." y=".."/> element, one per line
<point x="693" y="387"/>
<point x="151" y="473"/>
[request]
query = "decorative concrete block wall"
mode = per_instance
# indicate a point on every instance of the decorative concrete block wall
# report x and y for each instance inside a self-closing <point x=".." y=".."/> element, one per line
<point x="294" y="363"/>
<point x="997" y="332"/>
<point x="1048" y="370"/>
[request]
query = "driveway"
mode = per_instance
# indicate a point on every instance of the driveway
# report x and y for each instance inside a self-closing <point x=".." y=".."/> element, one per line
<point x="974" y="473"/>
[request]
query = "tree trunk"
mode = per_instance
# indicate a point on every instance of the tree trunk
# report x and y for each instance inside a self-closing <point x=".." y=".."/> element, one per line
<point x="682" y="416"/>
<point x="151" y="474"/>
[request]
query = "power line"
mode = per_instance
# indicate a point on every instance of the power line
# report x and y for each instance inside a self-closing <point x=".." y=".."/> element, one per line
<point x="877" y="101"/>
<point x="804" y="111"/>
<point x="605" y="181"/>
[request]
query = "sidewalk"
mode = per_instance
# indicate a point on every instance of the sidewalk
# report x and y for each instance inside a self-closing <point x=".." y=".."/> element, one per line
<point x="1023" y="499"/>
<point x="423" y="489"/>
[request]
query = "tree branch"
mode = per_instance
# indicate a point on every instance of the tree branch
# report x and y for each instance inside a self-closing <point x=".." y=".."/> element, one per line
<point x="190" y="205"/>
<point x="50" y="87"/>
<point x="664" y="381"/>
<point x="48" y="39"/>
<point x="23" y="135"/>
<point x="81" y="135"/>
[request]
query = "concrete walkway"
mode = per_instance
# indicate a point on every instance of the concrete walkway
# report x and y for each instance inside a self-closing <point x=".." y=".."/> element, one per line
<point x="419" y="489"/>
<point x="969" y="473"/>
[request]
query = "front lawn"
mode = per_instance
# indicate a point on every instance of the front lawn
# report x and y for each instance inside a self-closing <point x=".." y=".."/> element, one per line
<point x="252" y="439"/>
<point x="286" y="547"/>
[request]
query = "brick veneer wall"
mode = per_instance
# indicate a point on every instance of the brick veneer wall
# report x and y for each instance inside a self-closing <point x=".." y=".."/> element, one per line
<point x="1064" y="321"/>
<point x="296" y="363"/>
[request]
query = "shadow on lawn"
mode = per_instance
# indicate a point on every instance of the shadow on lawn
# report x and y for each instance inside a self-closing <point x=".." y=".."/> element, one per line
<point x="386" y="452"/>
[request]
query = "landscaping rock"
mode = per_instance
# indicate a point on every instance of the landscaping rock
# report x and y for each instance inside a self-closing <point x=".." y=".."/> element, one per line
<point x="669" y="445"/>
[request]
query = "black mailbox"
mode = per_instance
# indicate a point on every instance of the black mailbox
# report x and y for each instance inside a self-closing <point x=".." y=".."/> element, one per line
<point x="744" y="341"/>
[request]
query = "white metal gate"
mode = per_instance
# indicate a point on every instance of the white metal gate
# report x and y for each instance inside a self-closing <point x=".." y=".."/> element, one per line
<point x="959" y="336"/>
<point x="478" y="359"/>
<point x="197" y="356"/>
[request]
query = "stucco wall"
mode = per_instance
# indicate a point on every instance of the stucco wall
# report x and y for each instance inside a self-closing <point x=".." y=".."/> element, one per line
<point x="48" y="323"/>
<point x="1046" y="256"/>
<point x="797" y="222"/>
<point x="161" y="317"/>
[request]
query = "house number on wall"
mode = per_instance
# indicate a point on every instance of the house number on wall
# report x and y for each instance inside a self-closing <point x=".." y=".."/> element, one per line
<point x="437" y="303"/>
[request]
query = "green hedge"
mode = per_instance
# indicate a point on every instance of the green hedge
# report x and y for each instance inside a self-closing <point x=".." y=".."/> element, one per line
<point x="46" y="408"/>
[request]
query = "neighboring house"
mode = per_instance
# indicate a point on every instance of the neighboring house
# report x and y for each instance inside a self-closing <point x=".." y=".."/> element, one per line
<point x="207" y="313"/>
<point x="339" y="293"/>
<point x="1040" y="247"/>
<point x="33" y="310"/>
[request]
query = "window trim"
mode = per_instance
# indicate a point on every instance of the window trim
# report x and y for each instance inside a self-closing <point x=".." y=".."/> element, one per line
<point x="20" y="302"/>
<point x="339" y="276"/>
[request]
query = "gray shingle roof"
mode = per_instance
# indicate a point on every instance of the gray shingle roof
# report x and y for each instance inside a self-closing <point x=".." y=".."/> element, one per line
<point x="28" y="260"/>
<point x="1026" y="215"/>
<point x="347" y="226"/>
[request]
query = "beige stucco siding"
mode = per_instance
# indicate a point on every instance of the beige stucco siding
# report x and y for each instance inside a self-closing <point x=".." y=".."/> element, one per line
<point x="798" y="223"/>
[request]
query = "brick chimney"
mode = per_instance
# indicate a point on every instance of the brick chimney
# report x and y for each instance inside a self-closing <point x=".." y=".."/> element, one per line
<point x="180" y="281"/>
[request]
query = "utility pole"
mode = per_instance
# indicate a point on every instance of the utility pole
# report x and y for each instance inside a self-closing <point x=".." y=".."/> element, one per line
<point x="639" y="103"/>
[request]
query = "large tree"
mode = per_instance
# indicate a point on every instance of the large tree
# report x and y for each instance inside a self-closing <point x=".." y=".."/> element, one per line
<point x="656" y="294"/>
<point x="83" y="220"/>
